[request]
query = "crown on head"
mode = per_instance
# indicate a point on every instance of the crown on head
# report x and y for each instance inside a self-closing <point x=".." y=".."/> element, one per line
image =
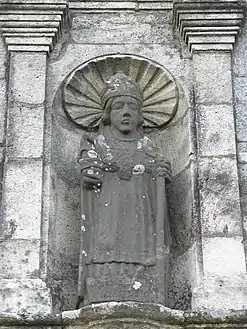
<point x="121" y="85"/>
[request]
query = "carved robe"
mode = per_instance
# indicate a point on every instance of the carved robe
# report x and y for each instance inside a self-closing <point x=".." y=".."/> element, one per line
<point x="120" y="215"/>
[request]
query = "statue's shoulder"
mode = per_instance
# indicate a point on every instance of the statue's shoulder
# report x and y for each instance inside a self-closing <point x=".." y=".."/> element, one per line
<point x="148" y="146"/>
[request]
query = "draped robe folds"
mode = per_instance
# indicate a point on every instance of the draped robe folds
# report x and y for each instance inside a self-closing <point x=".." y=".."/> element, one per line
<point x="120" y="222"/>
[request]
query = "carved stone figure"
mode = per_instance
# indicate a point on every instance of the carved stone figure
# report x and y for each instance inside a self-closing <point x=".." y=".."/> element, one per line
<point x="125" y="230"/>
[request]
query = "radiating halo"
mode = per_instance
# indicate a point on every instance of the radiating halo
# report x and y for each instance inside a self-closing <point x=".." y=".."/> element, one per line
<point x="83" y="87"/>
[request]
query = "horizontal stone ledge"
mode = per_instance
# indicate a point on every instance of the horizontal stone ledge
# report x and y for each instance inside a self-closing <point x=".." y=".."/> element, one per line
<point x="208" y="4"/>
<point x="120" y="5"/>
<point x="32" y="48"/>
<point x="114" y="310"/>
<point x="35" y="2"/>
<point x="211" y="47"/>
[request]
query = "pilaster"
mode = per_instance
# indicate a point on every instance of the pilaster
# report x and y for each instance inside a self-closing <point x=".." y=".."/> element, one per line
<point x="30" y="30"/>
<point x="209" y="29"/>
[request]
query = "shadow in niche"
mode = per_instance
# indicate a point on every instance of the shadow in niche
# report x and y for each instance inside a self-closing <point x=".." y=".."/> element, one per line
<point x="64" y="227"/>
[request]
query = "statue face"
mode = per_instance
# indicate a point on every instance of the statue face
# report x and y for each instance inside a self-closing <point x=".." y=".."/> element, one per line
<point x="125" y="114"/>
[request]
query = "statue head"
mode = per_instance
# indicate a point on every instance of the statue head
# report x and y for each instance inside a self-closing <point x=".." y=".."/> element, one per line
<point x="122" y="104"/>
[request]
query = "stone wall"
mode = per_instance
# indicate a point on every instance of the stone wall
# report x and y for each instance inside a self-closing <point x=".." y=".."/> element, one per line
<point x="240" y="97"/>
<point x="44" y="41"/>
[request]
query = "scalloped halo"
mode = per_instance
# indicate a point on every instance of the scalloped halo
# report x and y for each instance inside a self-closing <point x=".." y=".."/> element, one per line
<point x="83" y="87"/>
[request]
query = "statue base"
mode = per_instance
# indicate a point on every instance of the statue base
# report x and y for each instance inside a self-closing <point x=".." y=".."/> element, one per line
<point x="134" y="315"/>
<point x="127" y="315"/>
<point x="121" y="289"/>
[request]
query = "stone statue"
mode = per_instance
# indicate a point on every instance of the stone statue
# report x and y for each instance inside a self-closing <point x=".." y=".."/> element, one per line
<point x="125" y="230"/>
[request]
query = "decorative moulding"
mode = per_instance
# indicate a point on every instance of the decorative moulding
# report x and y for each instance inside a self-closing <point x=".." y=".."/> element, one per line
<point x="32" y="25"/>
<point x="107" y="6"/>
<point x="208" y="25"/>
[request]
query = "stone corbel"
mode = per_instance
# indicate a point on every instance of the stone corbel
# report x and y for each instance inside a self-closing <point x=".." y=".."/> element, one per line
<point x="32" y="25"/>
<point x="208" y="25"/>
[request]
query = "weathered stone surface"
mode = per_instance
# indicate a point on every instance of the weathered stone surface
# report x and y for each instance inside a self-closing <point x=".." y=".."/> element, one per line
<point x="128" y="5"/>
<point x="66" y="225"/>
<point x="19" y="259"/>
<point x="243" y="197"/>
<point x="219" y="293"/>
<point x="219" y="195"/>
<point x="240" y="89"/>
<point x="3" y="57"/>
<point x="239" y="58"/>
<point x="25" y="131"/>
<point x="119" y="28"/>
<point x="218" y="254"/>
<point x="22" y="198"/>
<point x="43" y="19"/>
<point x="215" y="130"/>
<point x="208" y="26"/>
<point x="242" y="152"/>
<point x="177" y="141"/>
<point x="241" y="122"/>
<point x="31" y="68"/>
<point x="151" y="34"/>
<point x="179" y="287"/>
<point x="26" y="296"/>
<point x="181" y="209"/>
<point x="212" y="87"/>
<point x="127" y="315"/>
<point x="78" y="53"/>
<point x="3" y="102"/>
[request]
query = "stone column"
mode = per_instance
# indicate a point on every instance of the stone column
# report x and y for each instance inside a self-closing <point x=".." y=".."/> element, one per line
<point x="210" y="29"/>
<point x="29" y="30"/>
<point x="3" y="99"/>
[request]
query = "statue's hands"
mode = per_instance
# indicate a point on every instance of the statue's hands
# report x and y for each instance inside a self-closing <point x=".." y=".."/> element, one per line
<point x="92" y="177"/>
<point x="164" y="169"/>
<point x="92" y="173"/>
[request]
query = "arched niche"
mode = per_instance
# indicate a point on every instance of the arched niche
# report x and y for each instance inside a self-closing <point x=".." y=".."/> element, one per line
<point x="174" y="134"/>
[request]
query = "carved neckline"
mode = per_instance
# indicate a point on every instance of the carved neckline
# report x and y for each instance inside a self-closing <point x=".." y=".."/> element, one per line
<point x="125" y="139"/>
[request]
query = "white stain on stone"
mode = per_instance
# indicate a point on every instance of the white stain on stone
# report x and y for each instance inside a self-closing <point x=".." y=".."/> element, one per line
<point x="71" y="315"/>
<point x="83" y="217"/>
<point x="83" y="228"/>
<point x="102" y="143"/>
<point x="92" y="154"/>
<point x="137" y="285"/>
<point x="143" y="142"/>
<point x="84" y="252"/>
<point x="138" y="169"/>
<point x="162" y="309"/>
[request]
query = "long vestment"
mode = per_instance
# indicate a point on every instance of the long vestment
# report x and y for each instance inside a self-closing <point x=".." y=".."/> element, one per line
<point x="122" y="223"/>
